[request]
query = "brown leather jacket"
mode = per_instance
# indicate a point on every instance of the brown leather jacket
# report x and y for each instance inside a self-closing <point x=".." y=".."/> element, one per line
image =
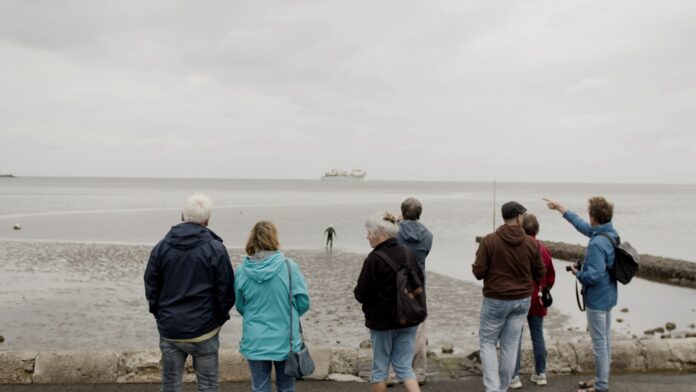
<point x="507" y="261"/>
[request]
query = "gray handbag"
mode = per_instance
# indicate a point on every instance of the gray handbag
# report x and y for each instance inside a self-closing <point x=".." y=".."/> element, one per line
<point x="299" y="363"/>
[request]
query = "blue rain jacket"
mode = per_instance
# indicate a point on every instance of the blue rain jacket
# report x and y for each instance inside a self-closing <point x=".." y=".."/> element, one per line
<point x="599" y="288"/>
<point x="262" y="292"/>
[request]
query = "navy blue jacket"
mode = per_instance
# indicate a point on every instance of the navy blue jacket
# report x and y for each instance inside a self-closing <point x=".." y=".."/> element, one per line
<point x="189" y="282"/>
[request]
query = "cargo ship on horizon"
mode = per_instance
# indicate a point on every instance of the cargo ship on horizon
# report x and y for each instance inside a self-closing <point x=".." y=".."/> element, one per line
<point x="344" y="175"/>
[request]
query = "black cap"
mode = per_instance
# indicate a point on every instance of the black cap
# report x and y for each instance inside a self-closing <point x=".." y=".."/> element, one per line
<point x="512" y="210"/>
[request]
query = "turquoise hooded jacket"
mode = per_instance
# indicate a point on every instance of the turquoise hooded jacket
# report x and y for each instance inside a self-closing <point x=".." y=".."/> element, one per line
<point x="261" y="288"/>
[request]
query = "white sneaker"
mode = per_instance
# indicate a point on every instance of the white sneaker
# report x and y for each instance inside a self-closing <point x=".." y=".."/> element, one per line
<point x="538" y="379"/>
<point x="515" y="383"/>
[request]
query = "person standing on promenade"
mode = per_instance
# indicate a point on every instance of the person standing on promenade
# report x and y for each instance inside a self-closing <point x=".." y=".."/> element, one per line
<point x="330" y="233"/>
<point x="392" y="343"/>
<point x="263" y="289"/>
<point x="189" y="285"/>
<point x="598" y="287"/>
<point x="507" y="261"/>
<point x="537" y="310"/>
<point x="414" y="235"/>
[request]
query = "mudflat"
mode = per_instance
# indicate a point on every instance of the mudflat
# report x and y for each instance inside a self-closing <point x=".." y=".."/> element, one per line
<point x="84" y="296"/>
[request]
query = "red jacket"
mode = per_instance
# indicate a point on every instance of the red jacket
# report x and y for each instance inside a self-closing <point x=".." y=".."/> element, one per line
<point x="536" y="308"/>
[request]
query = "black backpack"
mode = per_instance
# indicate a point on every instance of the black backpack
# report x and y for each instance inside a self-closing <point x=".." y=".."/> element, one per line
<point x="626" y="260"/>
<point x="411" y="308"/>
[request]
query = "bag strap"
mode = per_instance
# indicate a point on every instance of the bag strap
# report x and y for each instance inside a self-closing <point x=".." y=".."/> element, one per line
<point x="388" y="259"/>
<point x="613" y="242"/>
<point x="287" y="264"/>
<point x="577" y="297"/>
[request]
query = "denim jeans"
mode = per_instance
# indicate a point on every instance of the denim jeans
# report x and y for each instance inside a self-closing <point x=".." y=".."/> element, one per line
<point x="501" y="320"/>
<point x="599" y="323"/>
<point x="536" y="330"/>
<point x="205" y="362"/>
<point x="393" y="346"/>
<point x="261" y="376"/>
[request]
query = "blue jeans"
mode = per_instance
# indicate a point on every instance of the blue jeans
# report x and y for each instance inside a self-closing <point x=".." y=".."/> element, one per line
<point x="501" y="320"/>
<point x="536" y="330"/>
<point x="393" y="346"/>
<point x="205" y="362"/>
<point x="261" y="376"/>
<point x="599" y="323"/>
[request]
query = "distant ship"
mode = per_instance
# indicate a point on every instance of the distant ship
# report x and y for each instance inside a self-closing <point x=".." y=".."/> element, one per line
<point x="6" y="175"/>
<point x="344" y="175"/>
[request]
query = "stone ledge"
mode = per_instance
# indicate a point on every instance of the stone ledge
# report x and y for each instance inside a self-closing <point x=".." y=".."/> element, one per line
<point x="333" y="362"/>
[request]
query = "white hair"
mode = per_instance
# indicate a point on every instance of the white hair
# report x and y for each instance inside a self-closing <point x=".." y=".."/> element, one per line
<point x="382" y="222"/>
<point x="197" y="209"/>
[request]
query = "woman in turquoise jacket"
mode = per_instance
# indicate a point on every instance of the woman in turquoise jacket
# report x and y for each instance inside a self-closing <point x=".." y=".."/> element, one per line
<point x="262" y="291"/>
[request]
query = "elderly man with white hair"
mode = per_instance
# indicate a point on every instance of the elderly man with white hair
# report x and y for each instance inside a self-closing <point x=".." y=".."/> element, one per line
<point x="189" y="285"/>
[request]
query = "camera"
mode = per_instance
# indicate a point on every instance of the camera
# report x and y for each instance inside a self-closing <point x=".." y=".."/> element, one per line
<point x="577" y="265"/>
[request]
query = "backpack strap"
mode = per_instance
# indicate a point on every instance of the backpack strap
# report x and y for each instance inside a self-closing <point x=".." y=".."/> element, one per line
<point x="388" y="259"/>
<point x="613" y="241"/>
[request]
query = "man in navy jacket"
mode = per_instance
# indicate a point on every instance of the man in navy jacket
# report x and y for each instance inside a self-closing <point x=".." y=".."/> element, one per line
<point x="189" y="285"/>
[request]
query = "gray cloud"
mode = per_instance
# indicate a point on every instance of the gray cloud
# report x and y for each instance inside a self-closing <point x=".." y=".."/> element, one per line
<point x="446" y="90"/>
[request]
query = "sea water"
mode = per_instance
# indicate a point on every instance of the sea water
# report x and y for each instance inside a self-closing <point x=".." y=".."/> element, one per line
<point x="656" y="219"/>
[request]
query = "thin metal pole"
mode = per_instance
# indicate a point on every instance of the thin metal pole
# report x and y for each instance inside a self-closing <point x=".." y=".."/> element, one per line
<point x="494" y="204"/>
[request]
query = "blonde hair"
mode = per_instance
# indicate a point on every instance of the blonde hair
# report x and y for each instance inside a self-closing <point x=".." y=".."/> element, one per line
<point x="263" y="236"/>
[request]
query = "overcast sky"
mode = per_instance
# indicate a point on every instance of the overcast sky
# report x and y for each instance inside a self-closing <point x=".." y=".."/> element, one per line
<point x="586" y="91"/>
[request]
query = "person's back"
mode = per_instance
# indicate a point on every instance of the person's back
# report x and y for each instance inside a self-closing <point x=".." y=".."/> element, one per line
<point x="507" y="261"/>
<point x="189" y="286"/>
<point x="262" y="286"/>
<point x="263" y="299"/>
<point x="504" y="261"/>
<point x="414" y="235"/>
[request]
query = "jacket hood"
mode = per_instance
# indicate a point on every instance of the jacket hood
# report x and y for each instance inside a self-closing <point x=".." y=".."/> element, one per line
<point x="189" y="235"/>
<point x="512" y="235"/>
<point x="412" y="231"/>
<point x="265" y="269"/>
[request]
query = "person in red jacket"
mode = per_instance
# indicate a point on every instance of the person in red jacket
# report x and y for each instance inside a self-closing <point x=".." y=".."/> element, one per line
<point x="537" y="310"/>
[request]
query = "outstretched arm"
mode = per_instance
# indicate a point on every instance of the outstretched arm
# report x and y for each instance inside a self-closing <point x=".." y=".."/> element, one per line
<point x="554" y="205"/>
<point x="580" y="224"/>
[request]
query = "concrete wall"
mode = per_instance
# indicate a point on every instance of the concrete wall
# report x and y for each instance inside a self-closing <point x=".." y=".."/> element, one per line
<point x="338" y="363"/>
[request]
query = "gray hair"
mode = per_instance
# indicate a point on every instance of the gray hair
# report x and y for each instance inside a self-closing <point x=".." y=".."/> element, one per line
<point x="411" y="209"/>
<point x="197" y="209"/>
<point x="382" y="222"/>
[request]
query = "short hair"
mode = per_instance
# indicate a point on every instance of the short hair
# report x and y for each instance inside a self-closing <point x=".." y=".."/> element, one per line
<point x="600" y="209"/>
<point x="197" y="209"/>
<point x="411" y="209"/>
<point x="263" y="236"/>
<point x="530" y="224"/>
<point x="382" y="222"/>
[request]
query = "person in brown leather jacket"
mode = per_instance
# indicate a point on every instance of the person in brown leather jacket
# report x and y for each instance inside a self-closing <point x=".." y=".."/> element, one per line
<point x="507" y="261"/>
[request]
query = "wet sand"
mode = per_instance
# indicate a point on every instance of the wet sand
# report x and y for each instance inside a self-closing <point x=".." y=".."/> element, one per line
<point x="74" y="296"/>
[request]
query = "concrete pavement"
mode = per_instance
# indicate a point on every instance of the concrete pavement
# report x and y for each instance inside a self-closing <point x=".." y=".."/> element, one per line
<point x="673" y="382"/>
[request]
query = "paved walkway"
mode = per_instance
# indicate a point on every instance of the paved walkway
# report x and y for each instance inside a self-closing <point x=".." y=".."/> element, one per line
<point x="620" y="383"/>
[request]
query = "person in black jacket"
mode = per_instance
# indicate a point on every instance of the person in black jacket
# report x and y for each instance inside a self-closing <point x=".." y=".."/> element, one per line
<point x="189" y="286"/>
<point x="376" y="291"/>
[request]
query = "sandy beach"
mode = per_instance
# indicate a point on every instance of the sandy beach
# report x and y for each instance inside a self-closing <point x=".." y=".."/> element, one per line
<point x="75" y="296"/>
